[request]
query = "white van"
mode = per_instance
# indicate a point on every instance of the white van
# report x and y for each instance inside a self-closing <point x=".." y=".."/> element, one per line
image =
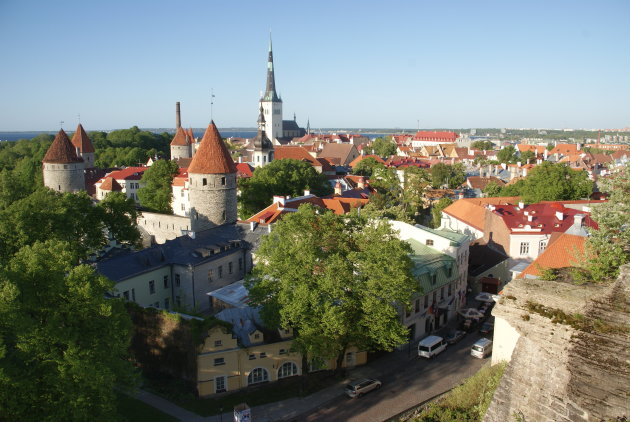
<point x="481" y="348"/>
<point x="431" y="346"/>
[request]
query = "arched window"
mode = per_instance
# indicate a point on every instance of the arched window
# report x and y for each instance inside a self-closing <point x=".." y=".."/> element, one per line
<point x="257" y="376"/>
<point x="288" y="369"/>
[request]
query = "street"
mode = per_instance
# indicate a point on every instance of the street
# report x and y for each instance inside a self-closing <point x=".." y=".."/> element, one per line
<point x="408" y="381"/>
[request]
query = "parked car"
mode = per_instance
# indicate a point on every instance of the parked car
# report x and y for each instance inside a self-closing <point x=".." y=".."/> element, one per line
<point x="362" y="386"/>
<point x="431" y="346"/>
<point x="481" y="348"/>
<point x="487" y="327"/>
<point x="455" y="336"/>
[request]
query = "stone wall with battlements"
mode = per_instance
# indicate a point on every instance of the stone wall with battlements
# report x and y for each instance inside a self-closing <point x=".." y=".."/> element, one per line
<point x="569" y="351"/>
<point x="162" y="227"/>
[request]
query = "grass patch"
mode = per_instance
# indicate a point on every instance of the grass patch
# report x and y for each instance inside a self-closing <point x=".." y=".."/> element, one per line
<point x="577" y="321"/>
<point x="467" y="402"/>
<point x="134" y="410"/>
<point x="182" y="394"/>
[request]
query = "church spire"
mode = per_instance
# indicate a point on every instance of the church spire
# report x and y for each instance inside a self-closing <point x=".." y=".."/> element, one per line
<point x="270" y="92"/>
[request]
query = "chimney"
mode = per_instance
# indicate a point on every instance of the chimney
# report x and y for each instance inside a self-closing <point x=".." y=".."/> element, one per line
<point x="361" y="183"/>
<point x="338" y="188"/>
<point x="252" y="225"/>
<point x="559" y="215"/>
<point x="307" y="192"/>
<point x="521" y="205"/>
<point x="279" y="200"/>
<point x="578" y="220"/>
<point x="530" y="218"/>
<point x="240" y="159"/>
<point x="178" y="116"/>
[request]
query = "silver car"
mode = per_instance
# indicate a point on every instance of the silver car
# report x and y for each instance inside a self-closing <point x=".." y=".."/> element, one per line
<point x="362" y="386"/>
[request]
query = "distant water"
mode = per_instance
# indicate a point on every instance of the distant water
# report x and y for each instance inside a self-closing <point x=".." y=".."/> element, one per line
<point x="14" y="136"/>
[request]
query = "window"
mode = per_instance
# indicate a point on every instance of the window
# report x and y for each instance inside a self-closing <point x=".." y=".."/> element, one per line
<point x="178" y="301"/>
<point x="220" y="385"/>
<point x="224" y="215"/>
<point x="133" y="294"/>
<point x="442" y="293"/>
<point x="182" y="193"/>
<point x="152" y="287"/>
<point x="223" y="181"/>
<point x="209" y="275"/>
<point x="429" y="242"/>
<point x="218" y="343"/>
<point x="433" y="278"/>
<point x="220" y="271"/>
<point x="426" y="302"/>
<point x="450" y="271"/>
<point x="258" y="375"/>
<point x="126" y="295"/>
<point x="230" y="268"/>
<point x="263" y="355"/>
<point x="543" y="245"/>
<point x="407" y="311"/>
<point x="450" y="289"/>
<point x="524" y="248"/>
<point x="166" y="282"/>
<point x="219" y="361"/>
<point x="177" y="280"/>
<point x="204" y="181"/>
<point x="256" y="336"/>
<point x="240" y="264"/>
<point x="183" y="207"/>
<point x="156" y="305"/>
<point x="288" y="369"/>
<point x="417" y="305"/>
<point x="252" y="356"/>
<point x="167" y="303"/>
<point x="434" y="297"/>
<point x="283" y="351"/>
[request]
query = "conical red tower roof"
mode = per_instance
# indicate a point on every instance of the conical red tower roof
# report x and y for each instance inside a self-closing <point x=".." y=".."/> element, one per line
<point x="82" y="141"/>
<point x="61" y="151"/>
<point x="212" y="157"/>
<point x="181" y="138"/>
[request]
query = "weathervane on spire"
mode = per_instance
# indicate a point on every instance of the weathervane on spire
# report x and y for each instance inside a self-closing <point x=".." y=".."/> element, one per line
<point x="79" y="117"/>
<point x="211" y="102"/>
<point x="61" y="124"/>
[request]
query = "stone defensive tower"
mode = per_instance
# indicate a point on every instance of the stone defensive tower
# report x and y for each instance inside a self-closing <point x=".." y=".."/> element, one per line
<point x="63" y="168"/>
<point x="212" y="183"/>
<point x="181" y="145"/>
<point x="83" y="146"/>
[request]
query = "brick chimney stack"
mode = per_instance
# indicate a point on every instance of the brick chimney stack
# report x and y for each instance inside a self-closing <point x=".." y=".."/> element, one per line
<point x="178" y="116"/>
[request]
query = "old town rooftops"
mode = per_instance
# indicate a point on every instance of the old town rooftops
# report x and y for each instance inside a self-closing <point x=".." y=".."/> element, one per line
<point x="541" y="218"/>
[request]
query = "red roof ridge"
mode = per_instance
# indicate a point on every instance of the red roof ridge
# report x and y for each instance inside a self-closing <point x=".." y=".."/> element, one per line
<point x="61" y="151"/>
<point x="81" y="140"/>
<point x="181" y="138"/>
<point x="212" y="156"/>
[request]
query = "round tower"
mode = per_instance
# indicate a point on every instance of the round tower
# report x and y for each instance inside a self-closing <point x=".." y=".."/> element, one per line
<point x="63" y="168"/>
<point x="83" y="146"/>
<point x="212" y="183"/>
<point x="181" y="145"/>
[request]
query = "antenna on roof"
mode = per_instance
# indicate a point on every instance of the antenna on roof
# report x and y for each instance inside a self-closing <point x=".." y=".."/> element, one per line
<point x="79" y="117"/>
<point x="61" y="124"/>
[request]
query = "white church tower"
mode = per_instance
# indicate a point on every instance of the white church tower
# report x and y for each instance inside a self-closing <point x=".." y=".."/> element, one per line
<point x="271" y="103"/>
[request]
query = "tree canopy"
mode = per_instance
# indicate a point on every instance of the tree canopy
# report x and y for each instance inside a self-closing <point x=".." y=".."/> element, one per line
<point x="436" y="211"/>
<point x="280" y="177"/>
<point x="507" y="155"/>
<point x="63" y="344"/>
<point x="128" y="147"/>
<point x="445" y="174"/>
<point x="384" y="147"/>
<point x="483" y="145"/>
<point x="527" y="156"/>
<point x="157" y="194"/>
<point x="367" y="166"/>
<point x="335" y="281"/>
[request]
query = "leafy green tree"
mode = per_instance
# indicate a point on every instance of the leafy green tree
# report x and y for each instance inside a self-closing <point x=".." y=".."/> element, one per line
<point x="156" y="194"/>
<point x="436" y="210"/>
<point x="507" y="155"/>
<point x="608" y="247"/>
<point x="446" y="174"/>
<point x="527" y="156"/>
<point x="335" y="281"/>
<point x="416" y="182"/>
<point x="366" y="167"/>
<point x="550" y="146"/>
<point x="384" y="147"/>
<point x="63" y="344"/>
<point x="280" y="177"/>
<point x="555" y="182"/>
<point x="483" y="145"/>
<point x="492" y="189"/>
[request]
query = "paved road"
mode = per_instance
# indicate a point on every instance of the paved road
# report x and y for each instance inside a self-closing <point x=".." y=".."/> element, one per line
<point x="410" y="381"/>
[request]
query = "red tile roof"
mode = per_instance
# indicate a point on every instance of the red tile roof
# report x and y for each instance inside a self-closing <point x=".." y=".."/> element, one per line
<point x="82" y="141"/>
<point x="565" y="251"/>
<point x="363" y="157"/>
<point x="565" y="149"/>
<point x="435" y="136"/>
<point x="110" y="184"/>
<point x="181" y="138"/>
<point x="478" y="182"/>
<point x="212" y="156"/>
<point x="129" y="173"/>
<point x="295" y="153"/>
<point x="543" y="218"/>
<point x="472" y="211"/>
<point x="61" y="151"/>
<point x="244" y="170"/>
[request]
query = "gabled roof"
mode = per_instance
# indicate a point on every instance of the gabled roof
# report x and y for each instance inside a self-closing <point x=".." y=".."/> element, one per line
<point x="244" y="170"/>
<point x="181" y="138"/>
<point x="472" y="211"/>
<point x="82" y="141"/>
<point x="110" y="184"/>
<point x="340" y="151"/>
<point x="295" y="153"/>
<point x="478" y="182"/>
<point x="61" y="151"/>
<point x="564" y="149"/>
<point x="537" y="149"/>
<point x="129" y="173"/>
<point x="565" y="251"/>
<point x="363" y="157"/>
<point x="435" y="136"/>
<point x="212" y="156"/>
<point x="541" y="218"/>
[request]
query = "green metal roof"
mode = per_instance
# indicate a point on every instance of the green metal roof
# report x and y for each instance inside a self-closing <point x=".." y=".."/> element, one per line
<point x="456" y="238"/>
<point x="431" y="267"/>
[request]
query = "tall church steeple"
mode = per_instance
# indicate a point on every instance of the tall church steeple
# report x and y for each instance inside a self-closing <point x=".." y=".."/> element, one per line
<point x="271" y="102"/>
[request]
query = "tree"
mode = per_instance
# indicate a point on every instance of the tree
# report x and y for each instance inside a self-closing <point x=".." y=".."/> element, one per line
<point x="335" y="281"/>
<point x="156" y="194"/>
<point x="366" y="167"/>
<point x="526" y="156"/>
<point x="555" y="182"/>
<point x="608" y="247"/>
<point x="280" y="177"/>
<point x="445" y="174"/>
<point x="483" y="145"/>
<point x="384" y="147"/>
<point x="492" y="189"/>
<point x="436" y="210"/>
<point x="416" y="182"/>
<point x="63" y="344"/>
<point x="507" y="155"/>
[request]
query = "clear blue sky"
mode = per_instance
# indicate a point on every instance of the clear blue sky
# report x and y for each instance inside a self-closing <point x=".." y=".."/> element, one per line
<point x="363" y="64"/>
